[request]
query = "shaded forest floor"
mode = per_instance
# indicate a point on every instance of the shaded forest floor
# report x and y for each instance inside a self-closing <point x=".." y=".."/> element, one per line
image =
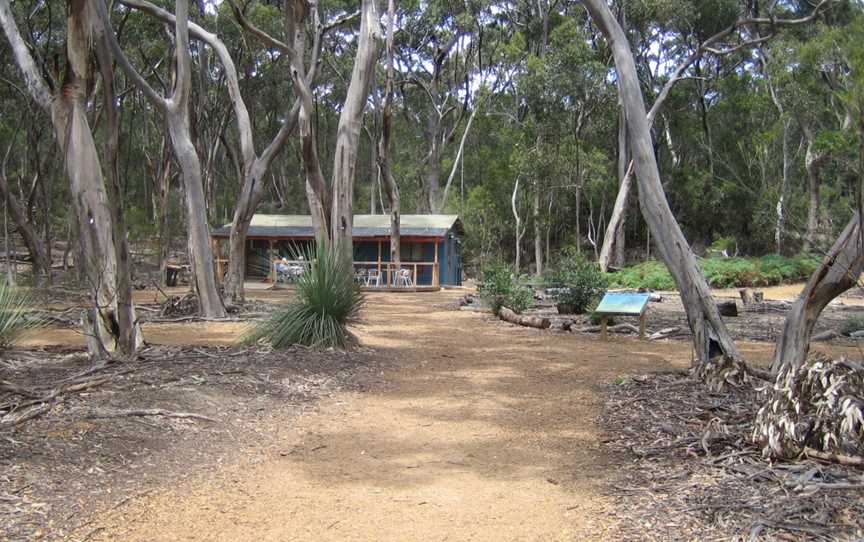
<point x="445" y="425"/>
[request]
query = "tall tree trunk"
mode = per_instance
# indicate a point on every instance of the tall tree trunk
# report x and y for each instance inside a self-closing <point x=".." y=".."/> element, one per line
<point x="432" y="170"/>
<point x="161" y="192"/>
<point x="390" y="186"/>
<point x="702" y="314"/>
<point x="517" y="264"/>
<point x="176" y="111"/>
<point x="839" y="272"/>
<point x="68" y="109"/>
<point x="210" y="302"/>
<point x="254" y="168"/>
<point x="623" y="161"/>
<point x="612" y="251"/>
<point x="538" y="235"/>
<point x="785" y="189"/>
<point x="813" y="161"/>
<point x="129" y="333"/>
<point x="35" y="245"/>
<point x="348" y="131"/>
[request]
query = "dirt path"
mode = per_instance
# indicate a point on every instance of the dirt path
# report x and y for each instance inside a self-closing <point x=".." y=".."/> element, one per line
<point x="477" y="431"/>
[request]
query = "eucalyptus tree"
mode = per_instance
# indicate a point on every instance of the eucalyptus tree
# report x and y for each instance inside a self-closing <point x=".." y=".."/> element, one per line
<point x="436" y="60"/>
<point x="391" y="188"/>
<point x="175" y="108"/>
<point x="332" y="211"/>
<point x="101" y="238"/>
<point x="843" y="263"/>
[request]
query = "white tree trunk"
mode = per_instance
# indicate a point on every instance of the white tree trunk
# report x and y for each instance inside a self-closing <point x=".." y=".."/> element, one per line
<point x="839" y="272"/>
<point x="176" y="111"/>
<point x="348" y="131"/>
<point x="390" y="186"/>
<point x="68" y="109"/>
<point x="702" y="314"/>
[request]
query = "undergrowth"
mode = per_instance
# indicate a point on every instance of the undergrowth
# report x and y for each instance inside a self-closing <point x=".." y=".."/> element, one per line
<point x="768" y="270"/>
<point x="15" y="316"/>
<point x="327" y="300"/>
<point x="500" y="289"/>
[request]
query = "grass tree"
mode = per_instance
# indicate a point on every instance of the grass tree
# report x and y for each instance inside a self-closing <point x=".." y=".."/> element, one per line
<point x="327" y="300"/>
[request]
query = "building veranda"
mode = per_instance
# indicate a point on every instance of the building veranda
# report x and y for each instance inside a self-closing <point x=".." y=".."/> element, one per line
<point x="430" y="249"/>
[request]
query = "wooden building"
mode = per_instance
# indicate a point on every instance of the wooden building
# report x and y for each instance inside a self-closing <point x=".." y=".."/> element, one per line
<point x="431" y="248"/>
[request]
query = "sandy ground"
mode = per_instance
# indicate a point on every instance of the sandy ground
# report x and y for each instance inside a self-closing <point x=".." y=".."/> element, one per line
<point x="478" y="430"/>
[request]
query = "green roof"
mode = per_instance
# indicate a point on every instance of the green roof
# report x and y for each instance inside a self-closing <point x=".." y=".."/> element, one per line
<point x="364" y="226"/>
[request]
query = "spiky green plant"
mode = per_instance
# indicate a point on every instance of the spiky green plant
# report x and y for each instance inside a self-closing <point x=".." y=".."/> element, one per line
<point x="15" y="316"/>
<point x="327" y="300"/>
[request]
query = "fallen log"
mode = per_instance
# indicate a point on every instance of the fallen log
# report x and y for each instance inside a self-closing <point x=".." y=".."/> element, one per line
<point x="523" y="320"/>
<point x="842" y="459"/>
<point x="618" y="328"/>
<point x="97" y="413"/>
<point x="664" y="333"/>
<point x="825" y="336"/>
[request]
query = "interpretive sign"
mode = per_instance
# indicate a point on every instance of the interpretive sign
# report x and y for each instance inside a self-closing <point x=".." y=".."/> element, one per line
<point x="622" y="304"/>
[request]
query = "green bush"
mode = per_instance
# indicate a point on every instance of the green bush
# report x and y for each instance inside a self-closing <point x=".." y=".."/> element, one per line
<point x="582" y="281"/>
<point x="327" y="300"/>
<point x="14" y="317"/>
<point x="768" y="270"/>
<point x="500" y="289"/>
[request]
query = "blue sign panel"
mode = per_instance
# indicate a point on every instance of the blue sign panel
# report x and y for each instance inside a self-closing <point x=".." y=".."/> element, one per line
<point x="623" y="303"/>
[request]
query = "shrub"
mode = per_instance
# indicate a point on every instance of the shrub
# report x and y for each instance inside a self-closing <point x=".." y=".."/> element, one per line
<point x="14" y="317"/>
<point x="583" y="283"/>
<point x="327" y="300"/>
<point x="768" y="270"/>
<point x="500" y="289"/>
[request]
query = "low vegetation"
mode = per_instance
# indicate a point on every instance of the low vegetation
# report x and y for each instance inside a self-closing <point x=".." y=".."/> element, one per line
<point x="500" y="289"/>
<point x="721" y="272"/>
<point x="327" y="300"/>
<point x="14" y="314"/>
<point x="581" y="281"/>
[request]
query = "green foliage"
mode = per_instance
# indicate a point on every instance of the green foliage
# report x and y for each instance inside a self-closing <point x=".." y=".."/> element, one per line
<point x="327" y="300"/>
<point x="722" y="272"/>
<point x="14" y="317"/>
<point x="500" y="289"/>
<point x="583" y="282"/>
<point x="651" y="274"/>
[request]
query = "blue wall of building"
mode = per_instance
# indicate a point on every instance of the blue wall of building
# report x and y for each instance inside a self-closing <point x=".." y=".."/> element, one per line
<point x="449" y="257"/>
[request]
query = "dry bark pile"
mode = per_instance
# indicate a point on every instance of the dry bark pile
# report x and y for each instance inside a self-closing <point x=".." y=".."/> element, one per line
<point x="691" y="470"/>
<point x="816" y="409"/>
<point x="186" y="305"/>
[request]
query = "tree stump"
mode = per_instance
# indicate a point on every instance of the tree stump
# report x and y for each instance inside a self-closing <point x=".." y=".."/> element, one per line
<point x="751" y="297"/>
<point x="728" y="308"/>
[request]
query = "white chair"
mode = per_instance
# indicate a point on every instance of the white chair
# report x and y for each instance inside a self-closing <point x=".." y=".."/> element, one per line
<point x="373" y="275"/>
<point x="405" y="278"/>
<point x="360" y="275"/>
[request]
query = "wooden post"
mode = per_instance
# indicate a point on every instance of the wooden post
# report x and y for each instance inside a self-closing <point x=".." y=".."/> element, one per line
<point x="642" y="325"/>
<point x="380" y="244"/>
<point x="414" y="278"/>
<point x="603" y="322"/>
<point x="220" y="265"/>
<point x="436" y="272"/>
<point x="270" y="255"/>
